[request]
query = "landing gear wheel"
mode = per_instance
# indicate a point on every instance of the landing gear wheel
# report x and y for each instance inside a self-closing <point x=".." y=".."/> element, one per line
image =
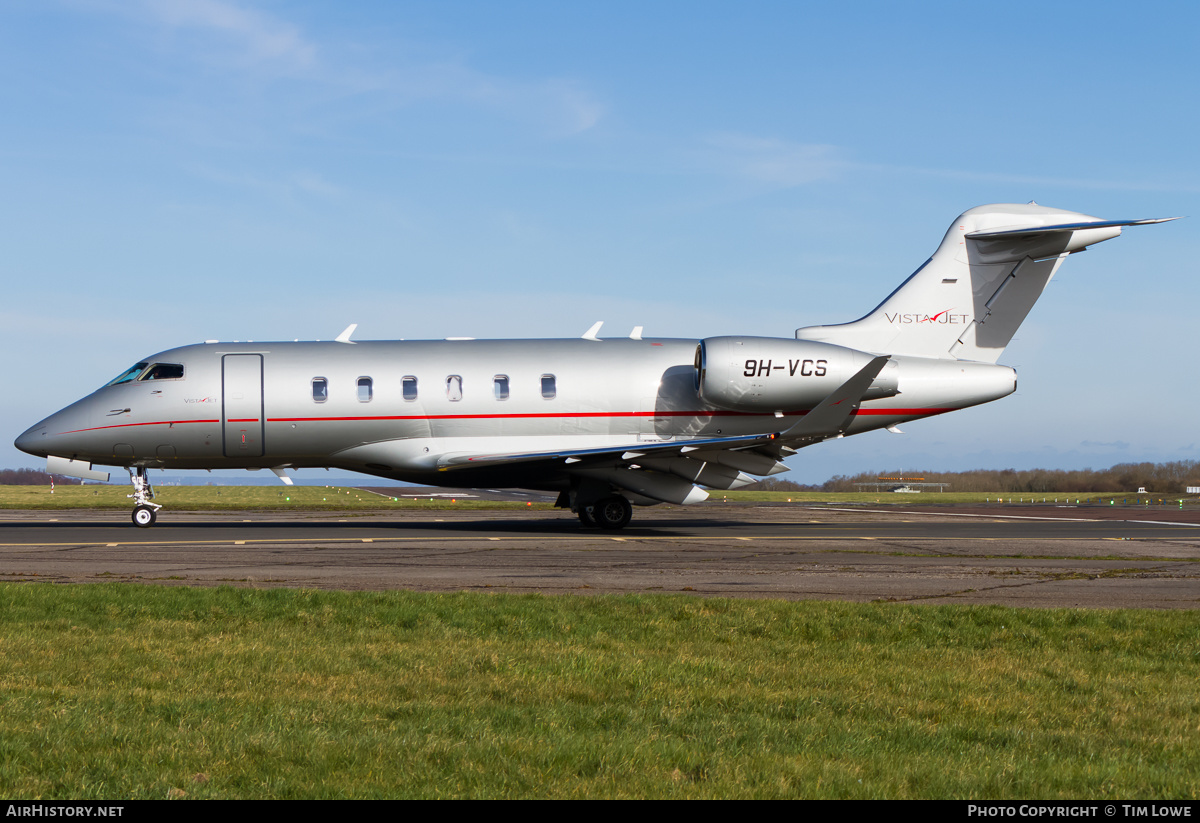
<point x="144" y="512"/>
<point x="587" y="518"/>
<point x="144" y="517"/>
<point x="612" y="512"/>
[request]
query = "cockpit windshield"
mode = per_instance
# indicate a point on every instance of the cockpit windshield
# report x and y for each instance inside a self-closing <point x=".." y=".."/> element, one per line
<point x="128" y="375"/>
<point x="163" y="371"/>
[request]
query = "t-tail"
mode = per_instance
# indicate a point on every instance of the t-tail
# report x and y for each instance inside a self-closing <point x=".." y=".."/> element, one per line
<point x="968" y="299"/>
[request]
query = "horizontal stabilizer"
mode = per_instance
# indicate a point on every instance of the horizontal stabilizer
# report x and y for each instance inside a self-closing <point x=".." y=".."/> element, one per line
<point x="1063" y="227"/>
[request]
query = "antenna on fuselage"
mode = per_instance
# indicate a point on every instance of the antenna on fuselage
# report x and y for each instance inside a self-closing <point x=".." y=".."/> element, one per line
<point x="344" y="337"/>
<point x="591" y="333"/>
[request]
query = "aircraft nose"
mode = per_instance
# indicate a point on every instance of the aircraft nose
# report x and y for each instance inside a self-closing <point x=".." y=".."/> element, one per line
<point x="66" y="433"/>
<point x="33" y="440"/>
<point x="47" y="437"/>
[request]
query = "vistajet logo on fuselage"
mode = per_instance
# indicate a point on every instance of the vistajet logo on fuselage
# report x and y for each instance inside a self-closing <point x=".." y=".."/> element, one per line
<point x="944" y="317"/>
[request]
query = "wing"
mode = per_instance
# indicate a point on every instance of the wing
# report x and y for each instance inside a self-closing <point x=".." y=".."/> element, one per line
<point x="671" y="471"/>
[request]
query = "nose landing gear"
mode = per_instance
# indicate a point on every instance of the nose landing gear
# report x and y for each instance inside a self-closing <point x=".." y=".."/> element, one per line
<point x="144" y="511"/>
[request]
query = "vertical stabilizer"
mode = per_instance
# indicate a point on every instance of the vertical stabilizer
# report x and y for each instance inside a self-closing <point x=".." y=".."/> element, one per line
<point x="968" y="299"/>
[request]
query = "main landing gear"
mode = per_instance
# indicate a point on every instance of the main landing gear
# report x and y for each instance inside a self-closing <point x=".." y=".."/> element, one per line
<point x="609" y="513"/>
<point x="144" y="511"/>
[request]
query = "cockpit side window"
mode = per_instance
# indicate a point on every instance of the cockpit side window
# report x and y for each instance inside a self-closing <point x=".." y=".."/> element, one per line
<point x="128" y="375"/>
<point x="163" y="371"/>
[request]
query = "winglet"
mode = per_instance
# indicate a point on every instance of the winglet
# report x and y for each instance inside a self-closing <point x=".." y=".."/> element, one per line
<point x="832" y="415"/>
<point x="344" y="337"/>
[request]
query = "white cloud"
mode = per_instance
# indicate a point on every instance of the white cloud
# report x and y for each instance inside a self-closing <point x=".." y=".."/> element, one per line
<point x="236" y="35"/>
<point x="774" y="162"/>
<point x="579" y="110"/>
<point x="560" y="107"/>
<point x="1035" y="182"/>
<point x="286" y="185"/>
<point x="258" y="36"/>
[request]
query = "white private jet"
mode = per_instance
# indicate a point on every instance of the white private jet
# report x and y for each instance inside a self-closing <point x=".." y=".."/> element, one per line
<point x="606" y="423"/>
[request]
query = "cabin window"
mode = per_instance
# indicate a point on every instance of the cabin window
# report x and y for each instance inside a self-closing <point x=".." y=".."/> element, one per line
<point x="500" y="385"/>
<point x="548" y="388"/>
<point x="163" y="371"/>
<point x="365" y="389"/>
<point x="409" y="387"/>
<point x="128" y="375"/>
<point x="454" y="388"/>
<point x="320" y="389"/>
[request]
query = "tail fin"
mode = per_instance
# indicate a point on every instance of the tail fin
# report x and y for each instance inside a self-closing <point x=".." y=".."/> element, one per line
<point x="967" y="301"/>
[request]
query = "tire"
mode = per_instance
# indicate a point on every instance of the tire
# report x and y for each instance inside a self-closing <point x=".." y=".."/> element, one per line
<point x="586" y="518"/>
<point x="144" y="517"/>
<point x="613" y="512"/>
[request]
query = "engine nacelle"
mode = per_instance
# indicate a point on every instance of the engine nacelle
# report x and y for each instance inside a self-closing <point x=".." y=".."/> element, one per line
<point x="758" y="374"/>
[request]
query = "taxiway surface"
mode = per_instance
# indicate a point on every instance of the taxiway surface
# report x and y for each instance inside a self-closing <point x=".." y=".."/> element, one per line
<point x="789" y="552"/>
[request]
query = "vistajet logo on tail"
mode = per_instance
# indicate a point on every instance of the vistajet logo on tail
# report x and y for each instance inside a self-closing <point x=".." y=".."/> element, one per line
<point x="944" y="317"/>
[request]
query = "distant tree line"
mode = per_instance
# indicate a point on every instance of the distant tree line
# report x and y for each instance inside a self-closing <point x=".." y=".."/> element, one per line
<point x="773" y="485"/>
<point x="1156" y="478"/>
<point x="33" y="477"/>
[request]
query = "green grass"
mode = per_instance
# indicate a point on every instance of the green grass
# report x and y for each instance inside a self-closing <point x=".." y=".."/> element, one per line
<point x="236" y="498"/>
<point x="120" y="691"/>
<point x="944" y="498"/>
<point x="340" y="498"/>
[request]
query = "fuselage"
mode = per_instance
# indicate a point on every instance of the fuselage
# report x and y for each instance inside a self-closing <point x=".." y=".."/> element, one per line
<point x="400" y="409"/>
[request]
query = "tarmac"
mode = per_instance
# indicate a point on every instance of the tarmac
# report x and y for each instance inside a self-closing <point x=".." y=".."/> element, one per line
<point x="1046" y="556"/>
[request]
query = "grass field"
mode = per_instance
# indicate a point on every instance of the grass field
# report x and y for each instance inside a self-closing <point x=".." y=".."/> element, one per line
<point x="321" y="498"/>
<point x="234" y="498"/>
<point x="123" y="691"/>
<point x="951" y="498"/>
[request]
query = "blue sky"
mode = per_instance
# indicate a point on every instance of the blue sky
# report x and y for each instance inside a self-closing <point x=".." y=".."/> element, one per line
<point x="181" y="171"/>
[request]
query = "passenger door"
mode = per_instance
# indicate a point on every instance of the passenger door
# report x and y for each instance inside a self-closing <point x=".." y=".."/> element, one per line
<point x="242" y="404"/>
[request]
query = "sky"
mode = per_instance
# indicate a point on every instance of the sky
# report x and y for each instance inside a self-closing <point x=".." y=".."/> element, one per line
<point x="180" y="170"/>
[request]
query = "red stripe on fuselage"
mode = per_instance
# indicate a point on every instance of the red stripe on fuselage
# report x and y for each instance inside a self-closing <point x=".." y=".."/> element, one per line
<point x="543" y="416"/>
